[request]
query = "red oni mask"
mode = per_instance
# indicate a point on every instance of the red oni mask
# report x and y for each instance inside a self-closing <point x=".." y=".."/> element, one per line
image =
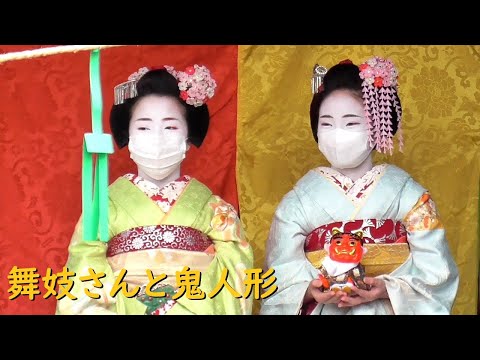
<point x="346" y="247"/>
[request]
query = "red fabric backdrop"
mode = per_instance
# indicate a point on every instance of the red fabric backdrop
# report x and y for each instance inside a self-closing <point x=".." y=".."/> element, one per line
<point x="44" y="112"/>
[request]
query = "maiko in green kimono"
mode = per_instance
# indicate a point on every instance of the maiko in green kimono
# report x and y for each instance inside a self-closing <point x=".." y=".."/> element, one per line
<point x="166" y="231"/>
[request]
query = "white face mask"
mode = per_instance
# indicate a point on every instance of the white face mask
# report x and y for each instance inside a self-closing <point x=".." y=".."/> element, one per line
<point x="157" y="155"/>
<point x="344" y="149"/>
<point x="343" y="130"/>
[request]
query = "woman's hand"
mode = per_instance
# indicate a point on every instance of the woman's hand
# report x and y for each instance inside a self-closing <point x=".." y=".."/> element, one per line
<point x="315" y="293"/>
<point x="378" y="290"/>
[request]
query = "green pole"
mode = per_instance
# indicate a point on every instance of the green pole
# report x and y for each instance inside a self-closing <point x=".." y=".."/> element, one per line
<point x="96" y="147"/>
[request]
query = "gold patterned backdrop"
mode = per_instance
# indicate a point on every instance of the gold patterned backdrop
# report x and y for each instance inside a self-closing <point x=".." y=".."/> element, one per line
<point x="440" y="93"/>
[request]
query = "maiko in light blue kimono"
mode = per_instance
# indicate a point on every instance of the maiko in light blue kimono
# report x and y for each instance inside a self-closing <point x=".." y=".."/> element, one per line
<point x="406" y="242"/>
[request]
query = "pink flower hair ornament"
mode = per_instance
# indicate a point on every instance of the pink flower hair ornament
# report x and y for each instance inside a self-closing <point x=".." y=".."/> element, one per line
<point x="195" y="83"/>
<point x="380" y="95"/>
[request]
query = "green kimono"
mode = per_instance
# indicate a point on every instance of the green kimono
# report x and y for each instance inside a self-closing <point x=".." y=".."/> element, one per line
<point x="158" y="233"/>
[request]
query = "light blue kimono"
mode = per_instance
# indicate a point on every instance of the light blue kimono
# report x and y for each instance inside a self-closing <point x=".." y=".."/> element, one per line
<point x="426" y="283"/>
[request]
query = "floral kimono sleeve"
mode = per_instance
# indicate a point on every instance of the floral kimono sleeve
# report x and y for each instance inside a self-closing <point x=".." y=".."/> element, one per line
<point x="232" y="255"/>
<point x="427" y="283"/>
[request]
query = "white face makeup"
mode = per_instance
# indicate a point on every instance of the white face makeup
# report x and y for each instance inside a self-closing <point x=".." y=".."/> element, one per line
<point x="157" y="115"/>
<point x="342" y="110"/>
<point x="158" y="136"/>
<point x="342" y="130"/>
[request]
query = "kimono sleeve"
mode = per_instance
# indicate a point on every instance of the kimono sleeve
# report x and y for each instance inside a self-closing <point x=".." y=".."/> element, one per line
<point x="285" y="254"/>
<point x="84" y="259"/>
<point x="232" y="257"/>
<point x="427" y="282"/>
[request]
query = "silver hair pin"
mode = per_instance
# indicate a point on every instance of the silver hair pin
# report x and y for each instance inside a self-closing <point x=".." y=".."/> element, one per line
<point x="317" y="77"/>
<point x="124" y="91"/>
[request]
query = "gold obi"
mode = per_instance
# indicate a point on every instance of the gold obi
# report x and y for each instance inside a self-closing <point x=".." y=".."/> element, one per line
<point x="380" y="258"/>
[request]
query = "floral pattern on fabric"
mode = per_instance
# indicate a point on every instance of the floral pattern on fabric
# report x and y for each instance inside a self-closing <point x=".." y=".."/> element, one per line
<point x="423" y="216"/>
<point x="157" y="305"/>
<point x="158" y="237"/>
<point x="164" y="197"/>
<point x="375" y="231"/>
<point x="357" y="190"/>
